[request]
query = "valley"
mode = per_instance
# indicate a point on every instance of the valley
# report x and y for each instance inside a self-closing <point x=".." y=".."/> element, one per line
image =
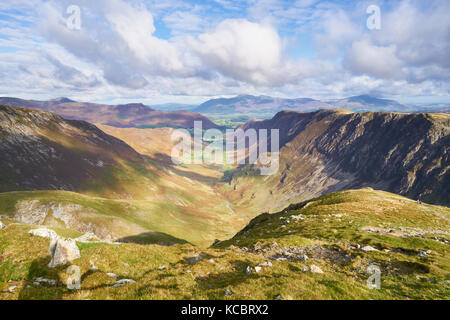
<point x="310" y="231"/>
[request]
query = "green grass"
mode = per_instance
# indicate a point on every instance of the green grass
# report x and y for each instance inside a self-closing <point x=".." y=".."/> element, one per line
<point x="331" y="229"/>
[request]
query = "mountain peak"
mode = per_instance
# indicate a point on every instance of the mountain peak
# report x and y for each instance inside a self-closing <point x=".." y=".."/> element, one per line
<point x="60" y="100"/>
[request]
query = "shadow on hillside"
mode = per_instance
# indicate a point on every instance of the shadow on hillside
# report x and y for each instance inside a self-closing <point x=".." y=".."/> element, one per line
<point x="159" y="238"/>
<point x="38" y="268"/>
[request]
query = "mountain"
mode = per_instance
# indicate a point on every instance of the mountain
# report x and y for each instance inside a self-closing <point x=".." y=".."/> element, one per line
<point x="264" y="104"/>
<point x="368" y="103"/>
<point x="319" y="249"/>
<point x="125" y="116"/>
<point x="335" y="150"/>
<point x="249" y="104"/>
<point x="71" y="174"/>
<point x="170" y="107"/>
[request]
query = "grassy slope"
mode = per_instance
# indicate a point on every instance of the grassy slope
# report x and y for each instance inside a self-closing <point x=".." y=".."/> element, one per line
<point x="127" y="218"/>
<point x="326" y="231"/>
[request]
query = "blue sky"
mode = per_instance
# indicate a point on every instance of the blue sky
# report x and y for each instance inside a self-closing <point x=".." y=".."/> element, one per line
<point x="189" y="51"/>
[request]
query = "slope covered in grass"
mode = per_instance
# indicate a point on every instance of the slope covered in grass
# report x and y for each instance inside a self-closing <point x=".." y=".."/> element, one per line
<point x="330" y="231"/>
<point x="142" y="221"/>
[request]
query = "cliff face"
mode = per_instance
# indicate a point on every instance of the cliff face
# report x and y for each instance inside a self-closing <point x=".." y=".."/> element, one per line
<point x="327" y="151"/>
<point x="40" y="150"/>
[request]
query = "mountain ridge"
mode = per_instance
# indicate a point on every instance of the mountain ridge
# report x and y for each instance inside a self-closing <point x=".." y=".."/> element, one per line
<point x="121" y="115"/>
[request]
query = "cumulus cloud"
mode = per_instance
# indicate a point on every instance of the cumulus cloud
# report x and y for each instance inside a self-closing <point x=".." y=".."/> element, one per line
<point x="378" y="61"/>
<point x="241" y="49"/>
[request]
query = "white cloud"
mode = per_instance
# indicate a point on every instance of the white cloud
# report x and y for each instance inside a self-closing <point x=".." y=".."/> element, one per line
<point x="366" y="58"/>
<point x="241" y="49"/>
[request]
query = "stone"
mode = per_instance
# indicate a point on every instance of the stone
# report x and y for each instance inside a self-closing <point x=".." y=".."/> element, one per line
<point x="193" y="260"/>
<point x="248" y="270"/>
<point x="266" y="264"/>
<point x="2" y="226"/>
<point x="112" y="275"/>
<point x="228" y="292"/>
<point x="211" y="261"/>
<point x="258" y="269"/>
<point x="315" y="269"/>
<point x="298" y="217"/>
<point x="88" y="237"/>
<point x="303" y="257"/>
<point x="161" y="267"/>
<point x="12" y="288"/>
<point x="40" y="280"/>
<point x="93" y="267"/>
<point x="368" y="249"/>
<point x="44" y="233"/>
<point x="62" y="251"/>
<point x="424" y="253"/>
<point x="123" y="282"/>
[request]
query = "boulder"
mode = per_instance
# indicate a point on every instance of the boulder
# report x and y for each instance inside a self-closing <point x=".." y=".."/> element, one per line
<point x="44" y="233"/>
<point x="40" y="280"/>
<point x="123" y="282"/>
<point x="315" y="269"/>
<point x="2" y="226"/>
<point x="62" y="251"/>
<point x="368" y="249"/>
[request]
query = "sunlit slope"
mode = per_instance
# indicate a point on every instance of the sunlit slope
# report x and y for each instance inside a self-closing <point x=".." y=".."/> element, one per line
<point x="331" y="231"/>
<point x="115" y="219"/>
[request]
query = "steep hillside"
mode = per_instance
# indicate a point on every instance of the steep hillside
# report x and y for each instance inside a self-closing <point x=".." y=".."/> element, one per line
<point x="127" y="115"/>
<point x="118" y="192"/>
<point x="320" y="249"/>
<point x="42" y="151"/>
<point x="328" y="151"/>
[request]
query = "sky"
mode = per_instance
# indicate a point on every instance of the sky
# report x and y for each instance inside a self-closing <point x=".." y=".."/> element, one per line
<point x="153" y="51"/>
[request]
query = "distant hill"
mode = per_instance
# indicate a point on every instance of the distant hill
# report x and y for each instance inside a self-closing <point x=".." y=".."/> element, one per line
<point x="249" y="104"/>
<point x="369" y="103"/>
<point x="133" y="115"/>
<point x="265" y="104"/>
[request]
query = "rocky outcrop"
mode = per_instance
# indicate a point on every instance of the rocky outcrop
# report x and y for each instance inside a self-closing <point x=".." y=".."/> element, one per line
<point x="44" y="233"/>
<point x="62" y="251"/>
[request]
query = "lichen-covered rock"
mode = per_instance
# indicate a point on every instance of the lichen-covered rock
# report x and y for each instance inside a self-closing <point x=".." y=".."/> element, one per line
<point x="62" y="252"/>
<point x="44" y="233"/>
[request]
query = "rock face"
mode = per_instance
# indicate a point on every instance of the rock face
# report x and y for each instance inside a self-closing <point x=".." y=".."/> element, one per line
<point x="62" y="251"/>
<point x="335" y="150"/>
